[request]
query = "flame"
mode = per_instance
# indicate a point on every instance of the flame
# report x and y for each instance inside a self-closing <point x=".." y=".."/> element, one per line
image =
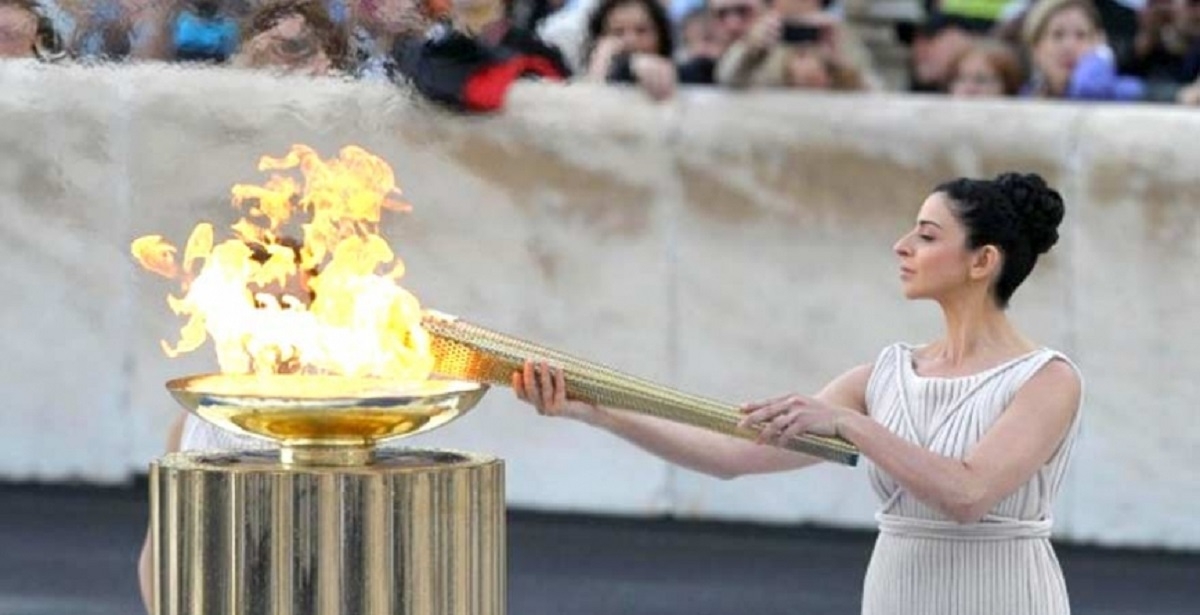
<point x="328" y="304"/>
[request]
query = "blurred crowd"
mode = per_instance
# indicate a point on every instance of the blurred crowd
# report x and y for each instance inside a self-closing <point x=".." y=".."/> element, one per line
<point x="465" y="52"/>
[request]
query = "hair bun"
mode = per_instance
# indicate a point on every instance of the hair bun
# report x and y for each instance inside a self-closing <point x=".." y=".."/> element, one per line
<point x="1038" y="208"/>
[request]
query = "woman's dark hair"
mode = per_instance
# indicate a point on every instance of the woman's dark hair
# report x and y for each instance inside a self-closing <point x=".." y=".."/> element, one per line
<point x="1017" y="213"/>
<point x="332" y="38"/>
<point x="658" y="16"/>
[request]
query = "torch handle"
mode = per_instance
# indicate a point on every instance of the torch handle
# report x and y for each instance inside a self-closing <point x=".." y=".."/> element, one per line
<point x="467" y="351"/>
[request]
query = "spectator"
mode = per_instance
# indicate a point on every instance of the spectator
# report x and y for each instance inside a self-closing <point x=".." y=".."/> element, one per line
<point x="792" y="32"/>
<point x="734" y="19"/>
<point x="378" y="26"/>
<point x="811" y="67"/>
<point x="513" y="30"/>
<point x="20" y="23"/>
<point x="204" y="31"/>
<point x="629" y="41"/>
<point x="296" y="36"/>
<point x="1166" y="48"/>
<point x="1065" y="40"/>
<point x="699" y="37"/>
<point x="1119" y="19"/>
<point x="936" y="44"/>
<point x="988" y="69"/>
<point x="120" y="29"/>
<point x="471" y="66"/>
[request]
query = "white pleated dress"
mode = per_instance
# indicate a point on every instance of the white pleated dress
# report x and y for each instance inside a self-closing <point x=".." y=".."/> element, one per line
<point x="923" y="562"/>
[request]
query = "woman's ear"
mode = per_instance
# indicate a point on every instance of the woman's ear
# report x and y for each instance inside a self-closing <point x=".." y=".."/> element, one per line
<point x="986" y="263"/>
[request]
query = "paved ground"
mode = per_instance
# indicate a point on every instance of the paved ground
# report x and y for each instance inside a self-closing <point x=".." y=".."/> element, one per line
<point x="71" y="551"/>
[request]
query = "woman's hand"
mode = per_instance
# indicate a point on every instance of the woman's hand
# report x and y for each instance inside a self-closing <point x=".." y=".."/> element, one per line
<point x="786" y="417"/>
<point x="545" y="388"/>
<point x="765" y="33"/>
<point x="601" y="59"/>
<point x="1189" y="95"/>
<point x="657" y="75"/>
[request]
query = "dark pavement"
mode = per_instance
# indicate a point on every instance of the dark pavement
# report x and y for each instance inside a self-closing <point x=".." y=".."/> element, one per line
<point x="72" y="550"/>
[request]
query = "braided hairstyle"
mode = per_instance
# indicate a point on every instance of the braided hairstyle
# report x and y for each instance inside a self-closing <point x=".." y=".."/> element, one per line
<point x="1017" y="213"/>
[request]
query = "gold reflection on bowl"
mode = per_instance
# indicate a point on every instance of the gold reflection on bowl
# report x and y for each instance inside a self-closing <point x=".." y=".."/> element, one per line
<point x="299" y="411"/>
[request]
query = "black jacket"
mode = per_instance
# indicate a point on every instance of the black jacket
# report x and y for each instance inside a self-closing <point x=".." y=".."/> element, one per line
<point x="466" y="74"/>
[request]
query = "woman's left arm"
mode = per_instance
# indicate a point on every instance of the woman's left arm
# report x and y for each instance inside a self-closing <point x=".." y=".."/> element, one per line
<point x="1020" y="442"/>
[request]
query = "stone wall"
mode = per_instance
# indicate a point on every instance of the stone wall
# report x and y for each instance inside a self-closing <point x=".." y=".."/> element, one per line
<point x="736" y="246"/>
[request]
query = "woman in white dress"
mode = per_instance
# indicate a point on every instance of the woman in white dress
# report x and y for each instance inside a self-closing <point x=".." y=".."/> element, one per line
<point x="967" y="437"/>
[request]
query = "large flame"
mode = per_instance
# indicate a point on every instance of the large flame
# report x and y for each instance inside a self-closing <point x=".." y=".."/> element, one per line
<point x="328" y="304"/>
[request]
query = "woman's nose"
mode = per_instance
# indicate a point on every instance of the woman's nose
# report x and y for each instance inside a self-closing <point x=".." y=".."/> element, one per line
<point x="901" y="246"/>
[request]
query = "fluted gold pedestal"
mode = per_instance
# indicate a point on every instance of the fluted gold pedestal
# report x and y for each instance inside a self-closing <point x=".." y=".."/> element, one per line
<point x="415" y="532"/>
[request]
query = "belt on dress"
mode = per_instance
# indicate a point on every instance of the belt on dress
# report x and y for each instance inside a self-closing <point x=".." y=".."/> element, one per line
<point x="990" y="528"/>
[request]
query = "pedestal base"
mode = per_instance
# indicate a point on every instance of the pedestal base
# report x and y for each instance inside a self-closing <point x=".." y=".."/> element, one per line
<point x="416" y="532"/>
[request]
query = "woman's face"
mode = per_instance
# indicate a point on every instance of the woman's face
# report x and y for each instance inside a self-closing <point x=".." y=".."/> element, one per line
<point x="1069" y="34"/>
<point x="806" y="69"/>
<point x="934" y="259"/>
<point x="290" y="45"/>
<point x="631" y="24"/>
<point x="394" y="16"/>
<point x="792" y="9"/>
<point x="18" y="32"/>
<point x="1187" y="17"/>
<point x="976" y="77"/>
<point x="700" y="38"/>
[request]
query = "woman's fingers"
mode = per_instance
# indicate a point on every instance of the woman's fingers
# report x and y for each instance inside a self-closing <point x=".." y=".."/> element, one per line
<point x="531" y="387"/>
<point x="560" y="388"/>
<point x="546" y="381"/>
<point x="798" y="426"/>
<point x="542" y="386"/>
<point x="518" y="385"/>
<point x="769" y="412"/>
<point x="755" y="405"/>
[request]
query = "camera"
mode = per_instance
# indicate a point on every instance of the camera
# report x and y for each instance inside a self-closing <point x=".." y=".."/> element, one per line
<point x="799" y="33"/>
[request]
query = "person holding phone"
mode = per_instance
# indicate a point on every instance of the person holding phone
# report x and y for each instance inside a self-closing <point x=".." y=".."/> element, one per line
<point x="792" y="34"/>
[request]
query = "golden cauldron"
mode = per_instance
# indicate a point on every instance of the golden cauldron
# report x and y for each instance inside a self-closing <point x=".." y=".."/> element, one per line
<point x="329" y="523"/>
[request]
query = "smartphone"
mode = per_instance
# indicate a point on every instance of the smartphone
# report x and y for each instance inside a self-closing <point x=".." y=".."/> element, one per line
<point x="794" y="32"/>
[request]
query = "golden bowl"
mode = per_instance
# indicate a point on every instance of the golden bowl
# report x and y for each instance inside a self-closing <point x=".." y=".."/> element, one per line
<point x="321" y="419"/>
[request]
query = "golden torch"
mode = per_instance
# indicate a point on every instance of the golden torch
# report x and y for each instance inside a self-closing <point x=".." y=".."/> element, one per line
<point x="471" y="352"/>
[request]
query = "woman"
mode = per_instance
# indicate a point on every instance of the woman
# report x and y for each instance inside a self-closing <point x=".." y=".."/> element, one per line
<point x="123" y="30"/>
<point x="988" y="69"/>
<point x="1065" y="39"/>
<point x="629" y="41"/>
<point x="794" y="33"/>
<point x="378" y="25"/>
<point x="967" y="436"/>
<point x="296" y="36"/>
<point x="811" y="67"/>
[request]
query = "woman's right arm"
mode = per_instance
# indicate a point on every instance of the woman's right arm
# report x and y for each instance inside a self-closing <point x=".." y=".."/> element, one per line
<point x="694" y="448"/>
